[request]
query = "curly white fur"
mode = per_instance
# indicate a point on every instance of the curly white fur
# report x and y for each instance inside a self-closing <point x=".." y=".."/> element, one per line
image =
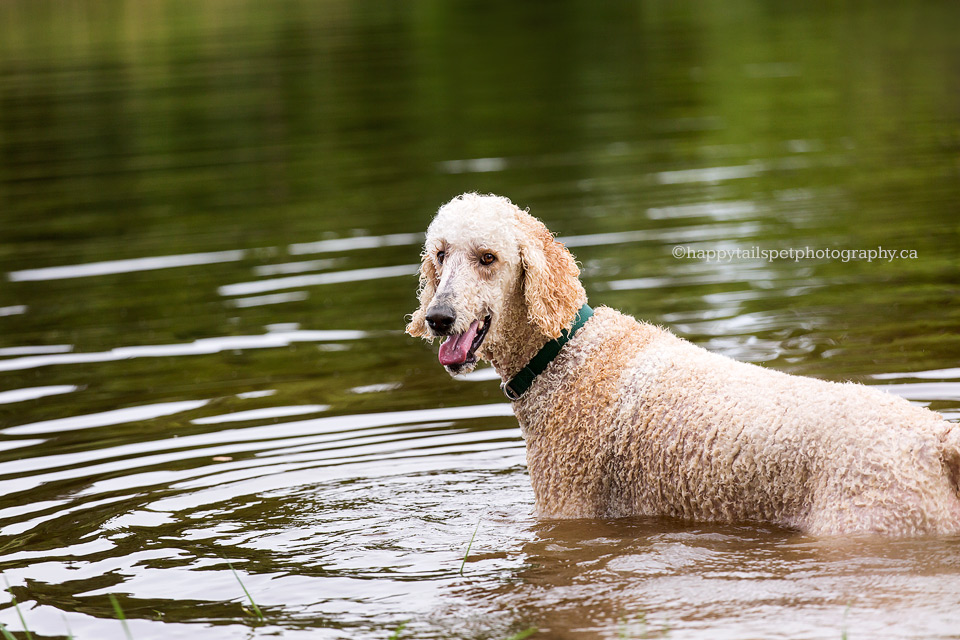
<point x="631" y="420"/>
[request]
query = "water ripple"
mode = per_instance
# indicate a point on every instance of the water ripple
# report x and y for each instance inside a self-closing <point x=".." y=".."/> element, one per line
<point x="32" y="393"/>
<point x="13" y="310"/>
<point x="336" y="277"/>
<point x="112" y="267"/>
<point x="202" y="346"/>
<point x="106" y="418"/>
<point x="263" y="414"/>
<point x="32" y="350"/>
<point x="359" y="242"/>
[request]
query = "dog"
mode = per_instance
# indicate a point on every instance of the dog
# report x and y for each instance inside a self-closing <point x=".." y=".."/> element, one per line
<point x="622" y="418"/>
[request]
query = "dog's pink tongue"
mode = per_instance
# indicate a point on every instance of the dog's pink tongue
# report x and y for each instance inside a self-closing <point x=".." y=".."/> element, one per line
<point x="455" y="348"/>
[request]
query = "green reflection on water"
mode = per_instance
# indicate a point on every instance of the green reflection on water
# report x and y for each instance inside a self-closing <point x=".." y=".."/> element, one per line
<point x="140" y="129"/>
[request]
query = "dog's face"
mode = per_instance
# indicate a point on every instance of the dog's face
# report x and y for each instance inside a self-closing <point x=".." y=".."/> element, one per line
<point x="470" y="272"/>
<point x="491" y="279"/>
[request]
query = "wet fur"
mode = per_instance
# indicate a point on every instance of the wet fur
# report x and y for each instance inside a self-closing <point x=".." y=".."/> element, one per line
<point x="631" y="420"/>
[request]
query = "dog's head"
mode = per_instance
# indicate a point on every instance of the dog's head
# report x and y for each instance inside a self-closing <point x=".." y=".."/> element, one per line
<point x="492" y="275"/>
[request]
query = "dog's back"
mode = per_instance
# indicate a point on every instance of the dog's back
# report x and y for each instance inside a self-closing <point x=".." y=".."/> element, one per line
<point x="635" y="421"/>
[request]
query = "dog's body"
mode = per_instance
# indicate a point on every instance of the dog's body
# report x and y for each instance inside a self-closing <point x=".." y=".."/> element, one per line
<point x="629" y="420"/>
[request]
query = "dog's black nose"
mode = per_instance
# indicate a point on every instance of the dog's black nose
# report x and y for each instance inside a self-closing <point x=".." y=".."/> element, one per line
<point x="441" y="319"/>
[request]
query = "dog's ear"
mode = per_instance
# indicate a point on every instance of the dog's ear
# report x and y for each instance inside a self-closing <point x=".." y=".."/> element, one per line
<point x="417" y="326"/>
<point x="551" y="278"/>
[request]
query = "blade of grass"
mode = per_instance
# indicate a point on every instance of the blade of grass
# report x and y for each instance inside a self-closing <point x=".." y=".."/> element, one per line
<point x="120" y="616"/>
<point x="6" y="634"/>
<point x="67" y="625"/>
<point x="16" y="605"/>
<point x="123" y="619"/>
<point x="396" y="634"/>
<point x="526" y="633"/>
<point x="253" y="604"/>
<point x="470" y="545"/>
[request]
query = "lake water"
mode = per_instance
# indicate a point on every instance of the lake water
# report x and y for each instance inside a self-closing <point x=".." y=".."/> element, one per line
<point x="210" y="217"/>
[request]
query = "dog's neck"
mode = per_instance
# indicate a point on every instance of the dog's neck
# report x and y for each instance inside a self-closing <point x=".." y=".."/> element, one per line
<point x="516" y="342"/>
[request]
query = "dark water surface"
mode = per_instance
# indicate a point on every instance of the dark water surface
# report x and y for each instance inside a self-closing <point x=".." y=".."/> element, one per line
<point x="209" y="219"/>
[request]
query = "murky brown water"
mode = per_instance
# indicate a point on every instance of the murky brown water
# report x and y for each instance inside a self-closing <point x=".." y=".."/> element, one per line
<point x="209" y="219"/>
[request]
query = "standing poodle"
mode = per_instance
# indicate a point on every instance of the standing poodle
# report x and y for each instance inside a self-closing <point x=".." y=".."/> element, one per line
<point x="622" y="418"/>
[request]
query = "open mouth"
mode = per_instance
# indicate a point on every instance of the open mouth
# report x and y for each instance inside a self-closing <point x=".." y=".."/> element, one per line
<point x="459" y="350"/>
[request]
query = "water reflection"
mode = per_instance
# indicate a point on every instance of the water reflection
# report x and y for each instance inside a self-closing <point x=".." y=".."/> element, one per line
<point x="211" y="216"/>
<point x="358" y="242"/>
<point x="33" y="393"/>
<point x="124" y="266"/>
<point x="202" y="346"/>
<point x="335" y="277"/>
<point x="271" y="298"/>
<point x="13" y="310"/>
<point x="117" y="416"/>
<point x="589" y="579"/>
<point x="262" y="414"/>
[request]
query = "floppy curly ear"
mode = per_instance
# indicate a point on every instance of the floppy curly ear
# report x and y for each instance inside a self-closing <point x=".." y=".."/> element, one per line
<point x="551" y="278"/>
<point x="417" y="326"/>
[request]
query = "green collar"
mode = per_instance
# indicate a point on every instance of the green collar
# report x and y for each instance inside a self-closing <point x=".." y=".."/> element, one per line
<point x="522" y="381"/>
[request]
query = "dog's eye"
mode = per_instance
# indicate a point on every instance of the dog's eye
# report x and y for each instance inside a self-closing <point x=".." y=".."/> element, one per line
<point x="440" y="256"/>
<point x="487" y="259"/>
